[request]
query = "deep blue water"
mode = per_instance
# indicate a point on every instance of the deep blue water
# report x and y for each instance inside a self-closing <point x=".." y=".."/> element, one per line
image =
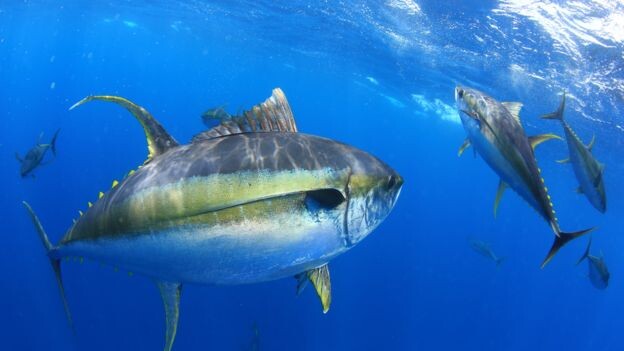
<point x="377" y="75"/>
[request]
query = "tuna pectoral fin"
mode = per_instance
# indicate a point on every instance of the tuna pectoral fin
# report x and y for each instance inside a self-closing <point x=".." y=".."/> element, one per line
<point x="560" y="241"/>
<point x="499" y="195"/>
<point x="463" y="147"/>
<point x="586" y="253"/>
<point x="55" y="262"/>
<point x="538" y="139"/>
<point x="170" y="293"/>
<point x="158" y="140"/>
<point x="319" y="277"/>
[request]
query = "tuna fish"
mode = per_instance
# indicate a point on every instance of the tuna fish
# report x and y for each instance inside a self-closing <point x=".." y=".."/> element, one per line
<point x="495" y="131"/>
<point x="483" y="248"/>
<point x="587" y="169"/>
<point x="598" y="271"/>
<point x="34" y="157"/>
<point x="248" y="201"/>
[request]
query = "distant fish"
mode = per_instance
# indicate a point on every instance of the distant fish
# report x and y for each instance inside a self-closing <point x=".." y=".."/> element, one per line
<point x="255" y="339"/>
<point x="483" y="248"/>
<point x="587" y="169"/>
<point x="34" y="157"/>
<point x="213" y="115"/>
<point x="495" y="131"/>
<point x="598" y="271"/>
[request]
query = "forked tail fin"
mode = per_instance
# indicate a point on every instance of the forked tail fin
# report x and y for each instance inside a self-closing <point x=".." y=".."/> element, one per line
<point x="53" y="142"/>
<point x="558" y="115"/>
<point x="560" y="241"/>
<point x="586" y="254"/>
<point x="55" y="262"/>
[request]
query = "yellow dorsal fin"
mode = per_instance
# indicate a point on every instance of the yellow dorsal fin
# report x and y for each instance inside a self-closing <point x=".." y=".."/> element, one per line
<point x="100" y="195"/>
<point x="158" y="140"/>
<point x="115" y="183"/>
<point x="513" y="108"/>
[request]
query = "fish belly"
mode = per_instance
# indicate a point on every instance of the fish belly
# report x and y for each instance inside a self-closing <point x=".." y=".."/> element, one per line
<point x="242" y="252"/>
<point x="499" y="163"/>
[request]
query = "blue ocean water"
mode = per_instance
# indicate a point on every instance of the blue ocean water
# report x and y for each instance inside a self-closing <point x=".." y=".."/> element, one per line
<point x="378" y="75"/>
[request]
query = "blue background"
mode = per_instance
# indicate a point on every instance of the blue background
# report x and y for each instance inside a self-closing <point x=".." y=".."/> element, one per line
<point x="376" y="75"/>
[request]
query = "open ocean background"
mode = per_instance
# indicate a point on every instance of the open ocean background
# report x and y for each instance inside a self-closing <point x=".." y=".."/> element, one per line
<point x="378" y="75"/>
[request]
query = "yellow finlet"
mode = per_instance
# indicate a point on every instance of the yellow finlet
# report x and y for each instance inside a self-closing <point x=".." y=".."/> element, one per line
<point x="80" y="212"/>
<point x="89" y="204"/>
<point x="131" y="172"/>
<point x="115" y="183"/>
<point x="100" y="195"/>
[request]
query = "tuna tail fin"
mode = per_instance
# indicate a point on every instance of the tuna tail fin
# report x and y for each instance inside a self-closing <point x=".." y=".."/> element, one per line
<point x="586" y="253"/>
<point x="53" y="142"/>
<point x="560" y="241"/>
<point x="559" y="113"/>
<point x="55" y="262"/>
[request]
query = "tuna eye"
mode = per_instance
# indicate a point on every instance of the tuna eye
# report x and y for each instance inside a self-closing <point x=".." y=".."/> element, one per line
<point x="460" y="93"/>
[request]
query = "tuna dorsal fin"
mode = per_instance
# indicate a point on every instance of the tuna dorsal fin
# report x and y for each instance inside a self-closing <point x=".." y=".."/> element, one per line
<point x="273" y="115"/>
<point x="590" y="146"/>
<point x="538" y="139"/>
<point x="319" y="277"/>
<point x="158" y="140"/>
<point x="499" y="195"/>
<point x="513" y="108"/>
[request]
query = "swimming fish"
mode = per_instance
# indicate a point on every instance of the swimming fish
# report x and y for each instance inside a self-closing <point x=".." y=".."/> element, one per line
<point x="495" y="131"/>
<point x="214" y="114"/>
<point x="588" y="171"/>
<point x="34" y="156"/>
<point x="483" y="248"/>
<point x="247" y="201"/>
<point x="598" y="271"/>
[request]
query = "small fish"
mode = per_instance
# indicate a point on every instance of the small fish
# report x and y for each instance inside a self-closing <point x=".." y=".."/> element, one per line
<point x="495" y="131"/>
<point x="255" y="340"/>
<point x="483" y="248"/>
<point x="34" y="157"/>
<point x="250" y="200"/>
<point x="598" y="271"/>
<point x="214" y="114"/>
<point x="588" y="171"/>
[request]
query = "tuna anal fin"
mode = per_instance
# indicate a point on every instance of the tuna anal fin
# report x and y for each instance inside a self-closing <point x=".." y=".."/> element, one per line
<point x="513" y="108"/>
<point x="499" y="195"/>
<point x="170" y="293"/>
<point x="538" y="139"/>
<point x="273" y="115"/>
<point x="565" y="160"/>
<point x="586" y="253"/>
<point x="319" y="277"/>
<point x="55" y="262"/>
<point x="463" y="147"/>
<point x="560" y="241"/>
<point x="158" y="140"/>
